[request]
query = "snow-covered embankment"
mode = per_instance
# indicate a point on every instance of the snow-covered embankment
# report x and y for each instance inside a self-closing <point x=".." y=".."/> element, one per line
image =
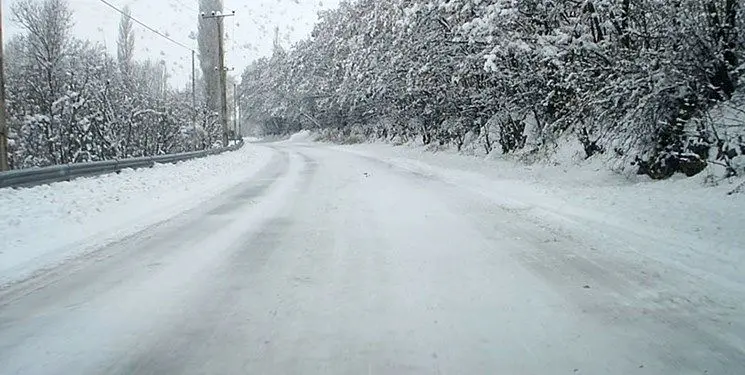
<point x="44" y="225"/>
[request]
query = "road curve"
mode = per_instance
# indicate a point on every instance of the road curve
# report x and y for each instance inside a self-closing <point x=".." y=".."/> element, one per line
<point x="333" y="263"/>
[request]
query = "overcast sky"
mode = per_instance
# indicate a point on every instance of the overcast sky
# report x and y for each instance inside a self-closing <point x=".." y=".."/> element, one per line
<point x="250" y="32"/>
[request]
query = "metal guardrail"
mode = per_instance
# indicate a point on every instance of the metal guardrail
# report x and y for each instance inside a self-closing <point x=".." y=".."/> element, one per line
<point x="57" y="173"/>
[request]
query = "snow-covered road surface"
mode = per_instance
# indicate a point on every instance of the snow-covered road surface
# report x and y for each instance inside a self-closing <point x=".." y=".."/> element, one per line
<point x="331" y="262"/>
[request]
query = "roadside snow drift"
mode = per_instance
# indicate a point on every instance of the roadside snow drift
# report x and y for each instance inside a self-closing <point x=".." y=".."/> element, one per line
<point x="47" y="224"/>
<point x="303" y="136"/>
<point x="681" y="221"/>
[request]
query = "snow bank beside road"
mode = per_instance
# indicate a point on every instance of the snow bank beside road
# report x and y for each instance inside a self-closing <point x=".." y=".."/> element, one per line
<point x="302" y="136"/>
<point x="679" y="221"/>
<point x="46" y="224"/>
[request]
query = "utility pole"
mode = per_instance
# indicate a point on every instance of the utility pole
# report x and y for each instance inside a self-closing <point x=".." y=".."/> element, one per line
<point x="193" y="80"/>
<point x="193" y="88"/>
<point x="219" y="17"/>
<point x="236" y="124"/>
<point x="4" y="166"/>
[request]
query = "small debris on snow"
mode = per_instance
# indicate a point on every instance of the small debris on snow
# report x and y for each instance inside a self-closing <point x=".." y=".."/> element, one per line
<point x="738" y="190"/>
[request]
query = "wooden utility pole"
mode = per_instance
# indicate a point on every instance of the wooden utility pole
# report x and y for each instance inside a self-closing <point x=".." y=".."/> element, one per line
<point x="219" y="17"/>
<point x="4" y="166"/>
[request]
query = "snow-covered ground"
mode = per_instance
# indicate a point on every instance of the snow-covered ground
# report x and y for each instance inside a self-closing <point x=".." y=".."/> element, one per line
<point x="45" y="225"/>
<point x="380" y="259"/>
<point x="682" y="220"/>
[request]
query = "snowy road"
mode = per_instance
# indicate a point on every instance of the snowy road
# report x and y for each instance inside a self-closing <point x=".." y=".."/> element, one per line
<point x="329" y="262"/>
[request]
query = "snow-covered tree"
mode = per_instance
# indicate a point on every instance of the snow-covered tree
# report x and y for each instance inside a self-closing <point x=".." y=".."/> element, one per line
<point x="70" y="101"/>
<point x="633" y="78"/>
<point x="47" y="44"/>
<point x="125" y="44"/>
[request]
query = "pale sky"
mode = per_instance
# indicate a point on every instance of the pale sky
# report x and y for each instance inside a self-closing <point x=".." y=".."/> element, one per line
<point x="250" y="32"/>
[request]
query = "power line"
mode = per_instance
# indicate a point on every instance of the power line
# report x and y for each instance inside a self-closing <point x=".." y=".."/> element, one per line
<point x="145" y="26"/>
<point x="193" y="53"/>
